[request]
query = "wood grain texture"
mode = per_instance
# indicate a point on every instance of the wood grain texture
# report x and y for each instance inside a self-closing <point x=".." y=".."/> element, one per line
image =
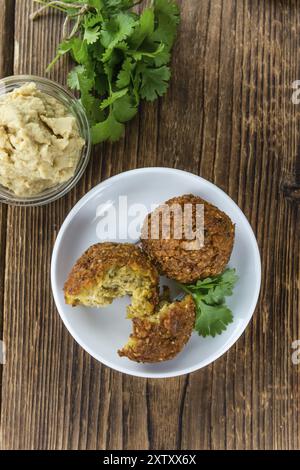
<point x="6" y="68"/>
<point x="228" y="116"/>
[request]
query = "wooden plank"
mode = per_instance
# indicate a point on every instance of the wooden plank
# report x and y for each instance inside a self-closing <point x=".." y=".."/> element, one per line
<point x="228" y="116"/>
<point x="6" y="68"/>
<point x="253" y="392"/>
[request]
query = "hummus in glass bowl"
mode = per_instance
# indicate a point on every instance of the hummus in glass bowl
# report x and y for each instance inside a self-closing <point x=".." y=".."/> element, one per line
<point x="44" y="141"/>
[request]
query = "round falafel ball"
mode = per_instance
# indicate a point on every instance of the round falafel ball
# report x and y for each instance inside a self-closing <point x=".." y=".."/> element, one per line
<point x="180" y="258"/>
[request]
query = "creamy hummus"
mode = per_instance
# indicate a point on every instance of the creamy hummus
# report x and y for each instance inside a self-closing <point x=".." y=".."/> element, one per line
<point x="40" y="143"/>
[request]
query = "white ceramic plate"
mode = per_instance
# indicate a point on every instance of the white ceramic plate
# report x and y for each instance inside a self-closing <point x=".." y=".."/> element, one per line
<point x="101" y="332"/>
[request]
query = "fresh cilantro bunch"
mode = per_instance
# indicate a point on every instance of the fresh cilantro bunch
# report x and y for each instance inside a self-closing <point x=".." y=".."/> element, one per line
<point x="212" y="314"/>
<point x="122" y="57"/>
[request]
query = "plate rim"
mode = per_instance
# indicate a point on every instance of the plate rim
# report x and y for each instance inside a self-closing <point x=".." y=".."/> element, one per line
<point x="227" y="346"/>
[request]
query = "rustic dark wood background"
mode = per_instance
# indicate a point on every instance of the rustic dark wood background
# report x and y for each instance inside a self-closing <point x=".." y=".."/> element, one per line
<point x="228" y="117"/>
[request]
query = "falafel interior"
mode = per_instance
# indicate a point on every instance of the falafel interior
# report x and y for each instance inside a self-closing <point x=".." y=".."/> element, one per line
<point x="162" y="336"/>
<point x="107" y="271"/>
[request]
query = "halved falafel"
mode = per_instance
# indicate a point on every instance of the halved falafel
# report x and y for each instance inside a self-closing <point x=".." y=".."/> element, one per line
<point x="110" y="270"/>
<point x="182" y="259"/>
<point x="162" y="336"/>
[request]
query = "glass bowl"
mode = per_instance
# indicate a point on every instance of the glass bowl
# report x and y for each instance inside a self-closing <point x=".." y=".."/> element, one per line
<point x="55" y="90"/>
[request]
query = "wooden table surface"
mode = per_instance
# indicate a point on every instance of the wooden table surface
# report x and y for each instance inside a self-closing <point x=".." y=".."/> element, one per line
<point x="228" y="117"/>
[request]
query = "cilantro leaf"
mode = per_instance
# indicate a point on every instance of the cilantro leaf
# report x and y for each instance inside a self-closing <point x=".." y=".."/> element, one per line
<point x="125" y="108"/>
<point x="144" y="29"/>
<point x="162" y="58"/>
<point x="72" y="79"/>
<point x="154" y="82"/>
<point x="110" y="129"/>
<point x="167" y="14"/>
<point x="124" y="76"/>
<point x="115" y="31"/>
<point x="212" y="314"/>
<point x="213" y="320"/>
<point x="86" y="98"/>
<point x="220" y="288"/>
<point x="91" y="35"/>
<point x="79" y="50"/>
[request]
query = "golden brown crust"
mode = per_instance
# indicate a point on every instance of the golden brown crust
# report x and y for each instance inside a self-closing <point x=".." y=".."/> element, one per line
<point x="162" y="341"/>
<point x="99" y="258"/>
<point x="184" y="265"/>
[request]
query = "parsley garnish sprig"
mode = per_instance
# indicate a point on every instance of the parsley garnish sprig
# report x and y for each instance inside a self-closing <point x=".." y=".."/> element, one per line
<point x="212" y="314"/>
<point x="122" y="57"/>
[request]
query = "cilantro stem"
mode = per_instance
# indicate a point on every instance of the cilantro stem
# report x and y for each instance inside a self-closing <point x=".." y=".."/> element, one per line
<point x="184" y="288"/>
<point x="56" y="58"/>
